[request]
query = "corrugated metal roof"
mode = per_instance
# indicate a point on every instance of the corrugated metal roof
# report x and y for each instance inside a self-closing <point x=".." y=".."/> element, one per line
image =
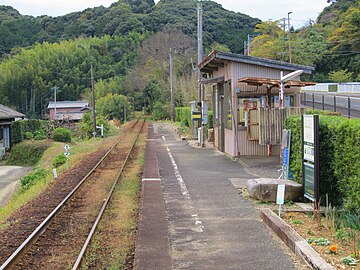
<point x="219" y="57"/>
<point x="6" y="112"/>
<point x="68" y="104"/>
<point x="273" y="82"/>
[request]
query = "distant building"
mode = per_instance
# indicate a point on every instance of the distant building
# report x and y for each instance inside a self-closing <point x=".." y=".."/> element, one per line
<point x="68" y="110"/>
<point x="7" y="116"/>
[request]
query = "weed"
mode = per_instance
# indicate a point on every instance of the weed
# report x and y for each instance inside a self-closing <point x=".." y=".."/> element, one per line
<point x="289" y="203"/>
<point x="261" y="202"/>
<point x="319" y="241"/>
<point x="349" y="261"/>
<point x="309" y="232"/>
<point x="297" y="221"/>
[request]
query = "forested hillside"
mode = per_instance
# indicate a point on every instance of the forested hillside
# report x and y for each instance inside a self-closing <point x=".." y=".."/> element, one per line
<point x="128" y="45"/>
<point x="220" y="25"/>
<point x="332" y="44"/>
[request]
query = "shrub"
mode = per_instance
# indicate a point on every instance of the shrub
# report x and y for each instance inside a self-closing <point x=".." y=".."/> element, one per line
<point x="31" y="179"/>
<point x="59" y="160"/>
<point x="27" y="153"/>
<point x="61" y="135"/>
<point x="28" y="135"/>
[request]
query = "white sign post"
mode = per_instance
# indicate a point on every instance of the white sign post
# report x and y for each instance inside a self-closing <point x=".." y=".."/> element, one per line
<point x="67" y="153"/>
<point x="280" y="196"/>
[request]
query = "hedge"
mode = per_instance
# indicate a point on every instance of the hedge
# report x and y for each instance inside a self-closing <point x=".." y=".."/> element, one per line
<point x="27" y="153"/>
<point x="34" y="126"/>
<point x="339" y="158"/>
<point x="183" y="115"/>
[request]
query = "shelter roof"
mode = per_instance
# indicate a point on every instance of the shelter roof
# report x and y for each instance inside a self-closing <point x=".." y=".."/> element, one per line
<point x="217" y="59"/>
<point x="273" y="82"/>
<point x="7" y="113"/>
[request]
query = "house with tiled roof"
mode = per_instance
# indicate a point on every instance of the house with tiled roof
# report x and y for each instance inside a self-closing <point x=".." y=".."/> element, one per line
<point x="68" y="110"/>
<point x="7" y="116"/>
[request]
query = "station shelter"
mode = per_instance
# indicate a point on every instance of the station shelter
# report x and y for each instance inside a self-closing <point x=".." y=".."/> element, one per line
<point x="245" y="92"/>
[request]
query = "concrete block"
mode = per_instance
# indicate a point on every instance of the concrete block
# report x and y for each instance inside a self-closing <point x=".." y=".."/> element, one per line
<point x="308" y="254"/>
<point x="265" y="189"/>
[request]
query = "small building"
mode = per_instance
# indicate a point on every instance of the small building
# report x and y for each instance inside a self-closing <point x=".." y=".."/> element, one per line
<point x="68" y="110"/>
<point x="7" y="116"/>
<point x="245" y="97"/>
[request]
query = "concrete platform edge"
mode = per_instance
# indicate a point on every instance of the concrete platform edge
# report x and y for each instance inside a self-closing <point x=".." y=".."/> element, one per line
<point x="294" y="241"/>
<point x="152" y="247"/>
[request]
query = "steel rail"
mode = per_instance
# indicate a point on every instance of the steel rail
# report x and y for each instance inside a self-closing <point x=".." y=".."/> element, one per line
<point x="92" y="231"/>
<point x="47" y="221"/>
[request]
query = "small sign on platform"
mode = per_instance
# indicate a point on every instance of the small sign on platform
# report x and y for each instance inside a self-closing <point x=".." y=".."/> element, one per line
<point x="280" y="197"/>
<point x="280" y="194"/>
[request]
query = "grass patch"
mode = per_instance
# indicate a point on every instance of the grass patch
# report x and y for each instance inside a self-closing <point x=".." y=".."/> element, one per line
<point x="78" y="150"/>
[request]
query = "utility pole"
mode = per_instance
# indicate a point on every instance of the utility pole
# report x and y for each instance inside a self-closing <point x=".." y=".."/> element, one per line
<point x="283" y="47"/>
<point x="248" y="43"/>
<point x="124" y="113"/>
<point x="172" y="87"/>
<point x="200" y="44"/>
<point x="93" y="97"/>
<point x="55" y="89"/>
<point x="201" y="94"/>
<point x="289" y="33"/>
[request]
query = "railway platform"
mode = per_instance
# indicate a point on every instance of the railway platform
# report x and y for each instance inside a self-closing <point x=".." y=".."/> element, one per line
<point x="193" y="217"/>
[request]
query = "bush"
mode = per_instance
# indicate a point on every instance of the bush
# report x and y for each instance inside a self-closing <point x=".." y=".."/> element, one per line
<point x="27" y="153"/>
<point x="61" y="135"/>
<point x="59" y="160"/>
<point x="31" y="179"/>
<point x="28" y="135"/>
<point x="339" y="158"/>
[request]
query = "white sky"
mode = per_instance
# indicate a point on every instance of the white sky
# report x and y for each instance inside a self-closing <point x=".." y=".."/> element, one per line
<point x="263" y="9"/>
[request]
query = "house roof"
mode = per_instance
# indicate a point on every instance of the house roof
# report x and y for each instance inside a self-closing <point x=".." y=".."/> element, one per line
<point x="7" y="113"/>
<point x="68" y="104"/>
<point x="217" y="59"/>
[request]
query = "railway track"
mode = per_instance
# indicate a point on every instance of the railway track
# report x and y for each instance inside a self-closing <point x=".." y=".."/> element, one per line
<point x="60" y="241"/>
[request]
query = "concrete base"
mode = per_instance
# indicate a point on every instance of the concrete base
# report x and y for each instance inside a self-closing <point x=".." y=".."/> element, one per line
<point x="265" y="189"/>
